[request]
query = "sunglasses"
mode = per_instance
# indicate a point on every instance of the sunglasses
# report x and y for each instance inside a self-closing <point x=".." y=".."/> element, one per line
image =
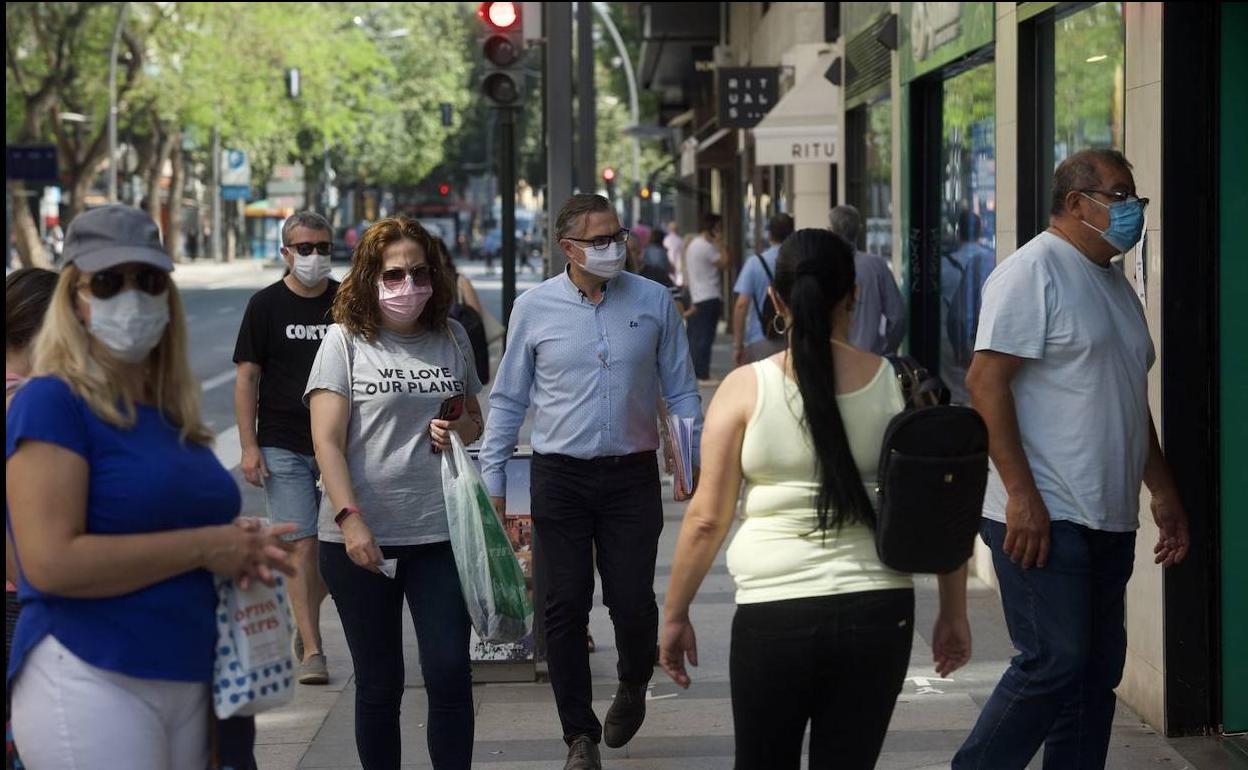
<point x="393" y="278"/>
<point x="304" y="249"/>
<point x="107" y="284"/>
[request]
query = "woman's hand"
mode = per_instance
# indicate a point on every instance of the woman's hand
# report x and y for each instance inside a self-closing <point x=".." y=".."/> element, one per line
<point x="466" y="426"/>
<point x="244" y="551"/>
<point x="361" y="545"/>
<point x="677" y="641"/>
<point x="951" y="643"/>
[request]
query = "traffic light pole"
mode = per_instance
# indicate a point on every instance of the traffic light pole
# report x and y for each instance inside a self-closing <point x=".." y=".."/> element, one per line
<point x="507" y="185"/>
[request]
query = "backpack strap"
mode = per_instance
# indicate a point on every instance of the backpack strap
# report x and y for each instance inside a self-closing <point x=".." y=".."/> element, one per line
<point x="758" y="309"/>
<point x="919" y="388"/>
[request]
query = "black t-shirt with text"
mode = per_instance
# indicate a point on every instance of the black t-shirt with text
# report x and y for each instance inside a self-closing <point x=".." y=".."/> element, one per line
<point x="281" y="333"/>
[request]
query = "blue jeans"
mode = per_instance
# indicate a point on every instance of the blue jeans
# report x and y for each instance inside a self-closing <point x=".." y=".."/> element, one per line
<point x="290" y="490"/>
<point x="371" y="608"/>
<point x="1067" y="622"/>
<point x="702" y="327"/>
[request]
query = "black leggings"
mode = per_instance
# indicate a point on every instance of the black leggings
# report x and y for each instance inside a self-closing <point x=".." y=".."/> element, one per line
<point x="837" y="662"/>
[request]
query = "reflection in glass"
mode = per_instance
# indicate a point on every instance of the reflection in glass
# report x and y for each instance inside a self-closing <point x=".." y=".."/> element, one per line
<point x="1088" y="56"/>
<point x="968" y="218"/>
<point x="877" y="211"/>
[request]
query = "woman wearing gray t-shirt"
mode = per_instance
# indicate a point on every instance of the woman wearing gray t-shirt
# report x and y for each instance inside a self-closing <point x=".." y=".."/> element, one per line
<point x="391" y="380"/>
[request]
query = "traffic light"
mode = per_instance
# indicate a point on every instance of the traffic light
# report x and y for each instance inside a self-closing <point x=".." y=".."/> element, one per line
<point x="502" y="45"/>
<point x="444" y="189"/>
<point x="608" y="174"/>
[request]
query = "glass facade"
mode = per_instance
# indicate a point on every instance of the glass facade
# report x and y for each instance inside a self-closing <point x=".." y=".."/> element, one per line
<point x="1089" y="54"/>
<point x="968" y="216"/>
<point x="877" y="192"/>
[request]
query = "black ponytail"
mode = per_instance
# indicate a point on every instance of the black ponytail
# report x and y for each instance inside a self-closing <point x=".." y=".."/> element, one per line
<point x="814" y="274"/>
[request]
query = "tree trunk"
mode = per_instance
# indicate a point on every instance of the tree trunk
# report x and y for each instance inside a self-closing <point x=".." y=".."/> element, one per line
<point x="30" y="251"/>
<point x="173" y="238"/>
<point x="79" y="187"/>
<point x="163" y="143"/>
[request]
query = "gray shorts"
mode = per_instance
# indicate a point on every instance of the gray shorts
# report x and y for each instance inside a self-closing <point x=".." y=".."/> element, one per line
<point x="291" y="490"/>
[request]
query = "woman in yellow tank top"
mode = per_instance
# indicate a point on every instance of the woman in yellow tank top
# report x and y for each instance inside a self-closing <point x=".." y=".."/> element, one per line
<point x="823" y="630"/>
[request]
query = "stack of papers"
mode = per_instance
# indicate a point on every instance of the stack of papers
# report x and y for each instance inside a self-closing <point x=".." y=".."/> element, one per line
<point x="680" y="430"/>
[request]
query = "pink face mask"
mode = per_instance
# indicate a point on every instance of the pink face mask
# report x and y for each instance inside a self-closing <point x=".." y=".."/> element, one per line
<point x="405" y="303"/>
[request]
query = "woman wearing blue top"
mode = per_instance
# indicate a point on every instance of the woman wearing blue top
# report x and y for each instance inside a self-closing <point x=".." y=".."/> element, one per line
<point x="120" y="514"/>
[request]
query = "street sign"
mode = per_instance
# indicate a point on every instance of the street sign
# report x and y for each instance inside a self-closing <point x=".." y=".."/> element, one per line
<point x="235" y="169"/>
<point x="30" y="162"/>
<point x="746" y="95"/>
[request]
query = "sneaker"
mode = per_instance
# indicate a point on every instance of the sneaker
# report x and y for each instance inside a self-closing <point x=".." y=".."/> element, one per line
<point x="583" y="754"/>
<point x="314" y="670"/>
<point x="626" y="715"/>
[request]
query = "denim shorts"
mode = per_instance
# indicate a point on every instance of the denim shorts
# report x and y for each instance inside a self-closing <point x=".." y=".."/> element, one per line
<point x="291" y="490"/>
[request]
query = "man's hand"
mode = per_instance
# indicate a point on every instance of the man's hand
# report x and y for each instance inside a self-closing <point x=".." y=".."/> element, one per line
<point x="683" y="494"/>
<point x="951" y="644"/>
<point x="1173" y="540"/>
<point x="254" y="469"/>
<point x="500" y="507"/>
<point x="738" y="355"/>
<point x="1027" y="529"/>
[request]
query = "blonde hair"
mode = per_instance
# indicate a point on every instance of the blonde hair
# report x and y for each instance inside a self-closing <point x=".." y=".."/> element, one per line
<point x="62" y="349"/>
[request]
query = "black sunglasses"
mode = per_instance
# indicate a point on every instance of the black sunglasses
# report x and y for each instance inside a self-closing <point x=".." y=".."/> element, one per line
<point x="422" y="275"/>
<point x="107" y="284"/>
<point x="602" y="241"/>
<point x="304" y="249"/>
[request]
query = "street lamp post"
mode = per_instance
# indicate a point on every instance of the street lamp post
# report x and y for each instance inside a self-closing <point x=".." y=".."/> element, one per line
<point x="112" y="103"/>
<point x="633" y="105"/>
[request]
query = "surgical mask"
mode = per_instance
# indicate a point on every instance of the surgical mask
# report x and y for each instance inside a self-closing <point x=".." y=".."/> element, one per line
<point x="310" y="270"/>
<point x="607" y="262"/>
<point x="129" y="324"/>
<point x="1126" y="223"/>
<point x="405" y="304"/>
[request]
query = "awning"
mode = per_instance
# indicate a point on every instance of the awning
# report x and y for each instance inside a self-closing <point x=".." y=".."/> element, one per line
<point x="802" y="128"/>
<point x="691" y="147"/>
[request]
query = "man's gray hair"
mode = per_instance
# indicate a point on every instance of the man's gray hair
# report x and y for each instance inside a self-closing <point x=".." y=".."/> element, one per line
<point x="1082" y="172"/>
<point x="308" y="219"/>
<point x="845" y="221"/>
<point x="576" y="208"/>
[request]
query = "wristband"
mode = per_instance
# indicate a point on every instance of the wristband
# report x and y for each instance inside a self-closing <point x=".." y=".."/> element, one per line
<point x="344" y="513"/>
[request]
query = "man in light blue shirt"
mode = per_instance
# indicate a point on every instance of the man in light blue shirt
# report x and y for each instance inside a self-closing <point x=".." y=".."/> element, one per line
<point x="591" y="351"/>
<point x="879" y="310"/>
<point x="752" y="342"/>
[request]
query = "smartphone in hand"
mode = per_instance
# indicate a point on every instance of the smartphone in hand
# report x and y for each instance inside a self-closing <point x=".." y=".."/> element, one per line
<point x="452" y="409"/>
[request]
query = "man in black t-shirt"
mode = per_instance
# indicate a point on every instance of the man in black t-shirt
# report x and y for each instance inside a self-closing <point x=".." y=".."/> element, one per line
<point x="277" y="343"/>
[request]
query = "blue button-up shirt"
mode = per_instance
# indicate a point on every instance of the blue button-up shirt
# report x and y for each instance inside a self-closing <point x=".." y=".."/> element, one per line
<point x="592" y="373"/>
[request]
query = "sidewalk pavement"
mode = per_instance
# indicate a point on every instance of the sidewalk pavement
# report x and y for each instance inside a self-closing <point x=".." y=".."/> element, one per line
<point x="517" y="726"/>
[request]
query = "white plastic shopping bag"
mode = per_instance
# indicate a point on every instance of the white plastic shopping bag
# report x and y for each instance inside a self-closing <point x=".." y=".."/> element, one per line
<point x="254" y="670"/>
<point x="491" y="577"/>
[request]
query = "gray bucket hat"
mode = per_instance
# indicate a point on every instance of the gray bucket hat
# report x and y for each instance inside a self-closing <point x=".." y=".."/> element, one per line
<point x="114" y="235"/>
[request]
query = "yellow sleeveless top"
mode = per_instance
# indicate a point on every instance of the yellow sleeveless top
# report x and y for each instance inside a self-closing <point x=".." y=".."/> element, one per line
<point x="779" y="553"/>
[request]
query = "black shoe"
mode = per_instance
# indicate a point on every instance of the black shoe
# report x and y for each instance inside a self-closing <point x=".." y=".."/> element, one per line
<point x="583" y="754"/>
<point x="626" y="715"/>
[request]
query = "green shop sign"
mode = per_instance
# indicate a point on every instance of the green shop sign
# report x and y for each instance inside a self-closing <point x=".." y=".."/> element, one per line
<point x="934" y="34"/>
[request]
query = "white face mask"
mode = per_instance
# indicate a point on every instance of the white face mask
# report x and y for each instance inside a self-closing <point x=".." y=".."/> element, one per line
<point x="607" y="262"/>
<point x="310" y="270"/>
<point x="129" y="324"/>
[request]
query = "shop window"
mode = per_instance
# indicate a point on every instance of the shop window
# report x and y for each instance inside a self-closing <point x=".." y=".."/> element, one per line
<point x="869" y="174"/>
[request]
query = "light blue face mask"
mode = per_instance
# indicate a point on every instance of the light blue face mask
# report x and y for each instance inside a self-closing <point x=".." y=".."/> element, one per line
<point x="1126" y="223"/>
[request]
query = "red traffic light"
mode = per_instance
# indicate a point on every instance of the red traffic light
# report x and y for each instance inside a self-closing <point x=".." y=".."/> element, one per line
<point x="444" y="189"/>
<point x="608" y="174"/>
<point x="501" y="16"/>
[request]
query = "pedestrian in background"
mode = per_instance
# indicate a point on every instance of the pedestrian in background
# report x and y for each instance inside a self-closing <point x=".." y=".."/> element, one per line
<point x="392" y="378"/>
<point x="823" y="629"/>
<point x="879" y="310"/>
<point x="1060" y="376"/>
<point x="674" y="242"/>
<point x="705" y="260"/>
<point x="120" y="513"/>
<point x="591" y="351"/>
<point x="281" y="331"/>
<point x="751" y="341"/>
<point x="27" y="292"/>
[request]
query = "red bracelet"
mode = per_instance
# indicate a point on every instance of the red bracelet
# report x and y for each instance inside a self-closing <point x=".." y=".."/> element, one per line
<point x="344" y="513"/>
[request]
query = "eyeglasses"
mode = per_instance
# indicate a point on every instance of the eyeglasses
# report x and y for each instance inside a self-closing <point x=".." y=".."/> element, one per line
<point x="603" y="241"/>
<point x="107" y="284"/>
<point x="304" y="249"/>
<point x="421" y="275"/>
<point x="1119" y="196"/>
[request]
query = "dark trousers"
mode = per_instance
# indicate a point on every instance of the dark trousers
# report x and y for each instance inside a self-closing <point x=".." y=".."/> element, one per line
<point x="702" y="326"/>
<point x="1067" y="621"/>
<point x="371" y="608"/>
<point x="615" y="509"/>
<point x="837" y="662"/>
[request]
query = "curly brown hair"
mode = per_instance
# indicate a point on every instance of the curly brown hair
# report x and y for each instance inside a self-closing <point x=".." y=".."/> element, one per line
<point x="356" y="307"/>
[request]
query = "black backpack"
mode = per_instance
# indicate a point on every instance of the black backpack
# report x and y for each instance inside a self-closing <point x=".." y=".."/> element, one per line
<point x="767" y="312"/>
<point x="932" y="474"/>
<point x="470" y="319"/>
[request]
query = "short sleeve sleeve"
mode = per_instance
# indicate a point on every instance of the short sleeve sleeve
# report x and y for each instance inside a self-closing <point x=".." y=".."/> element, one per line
<point x="46" y="409"/>
<point x="332" y="368"/>
<point x="251" y="346"/>
<point x="472" y="383"/>
<point x="748" y="279"/>
<point x="1014" y="317"/>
